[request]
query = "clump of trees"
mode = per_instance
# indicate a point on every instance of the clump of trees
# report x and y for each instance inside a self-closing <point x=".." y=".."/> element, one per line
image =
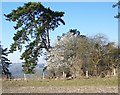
<point x="73" y="54"/>
<point x="77" y="55"/>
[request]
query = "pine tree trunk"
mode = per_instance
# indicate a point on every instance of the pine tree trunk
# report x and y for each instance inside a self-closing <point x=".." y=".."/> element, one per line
<point x="48" y="40"/>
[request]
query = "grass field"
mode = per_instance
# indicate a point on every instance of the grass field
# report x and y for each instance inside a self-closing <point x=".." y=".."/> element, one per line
<point x="91" y="85"/>
<point x="113" y="81"/>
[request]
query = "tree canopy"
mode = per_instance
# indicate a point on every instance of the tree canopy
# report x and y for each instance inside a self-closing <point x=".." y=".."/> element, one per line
<point x="33" y="22"/>
<point x="115" y="5"/>
<point x="80" y="55"/>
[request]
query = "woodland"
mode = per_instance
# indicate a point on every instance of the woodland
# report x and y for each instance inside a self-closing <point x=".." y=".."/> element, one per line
<point x="72" y="55"/>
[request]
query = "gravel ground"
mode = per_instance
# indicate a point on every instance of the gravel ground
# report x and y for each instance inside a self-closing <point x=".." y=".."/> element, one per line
<point x="51" y="89"/>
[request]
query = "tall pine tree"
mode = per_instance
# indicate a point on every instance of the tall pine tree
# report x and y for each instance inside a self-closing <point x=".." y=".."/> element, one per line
<point x="33" y="22"/>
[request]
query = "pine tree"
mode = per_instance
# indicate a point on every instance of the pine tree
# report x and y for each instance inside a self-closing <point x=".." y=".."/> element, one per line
<point x="115" y="5"/>
<point x="5" y="62"/>
<point x="33" y="22"/>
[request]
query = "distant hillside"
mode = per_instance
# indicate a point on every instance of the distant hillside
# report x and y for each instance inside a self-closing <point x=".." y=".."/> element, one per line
<point x="16" y="70"/>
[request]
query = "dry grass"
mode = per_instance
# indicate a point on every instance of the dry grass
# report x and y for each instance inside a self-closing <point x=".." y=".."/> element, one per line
<point x="113" y="81"/>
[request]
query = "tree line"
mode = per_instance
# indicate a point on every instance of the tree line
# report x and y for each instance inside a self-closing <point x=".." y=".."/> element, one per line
<point x="77" y="55"/>
<point x="72" y="54"/>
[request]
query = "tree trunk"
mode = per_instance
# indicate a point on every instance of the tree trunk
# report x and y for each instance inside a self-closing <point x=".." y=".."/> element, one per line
<point x="43" y="76"/>
<point x="114" y="72"/>
<point x="77" y="74"/>
<point x="86" y="74"/>
<point x="48" y="40"/>
<point x="64" y="75"/>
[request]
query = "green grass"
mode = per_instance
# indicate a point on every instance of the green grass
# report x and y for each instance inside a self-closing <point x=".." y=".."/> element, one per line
<point x="113" y="81"/>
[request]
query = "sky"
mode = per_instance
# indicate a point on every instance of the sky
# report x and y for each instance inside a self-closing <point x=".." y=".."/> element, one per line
<point x="90" y="18"/>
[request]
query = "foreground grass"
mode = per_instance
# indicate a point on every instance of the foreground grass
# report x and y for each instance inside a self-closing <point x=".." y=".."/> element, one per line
<point x="113" y="81"/>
